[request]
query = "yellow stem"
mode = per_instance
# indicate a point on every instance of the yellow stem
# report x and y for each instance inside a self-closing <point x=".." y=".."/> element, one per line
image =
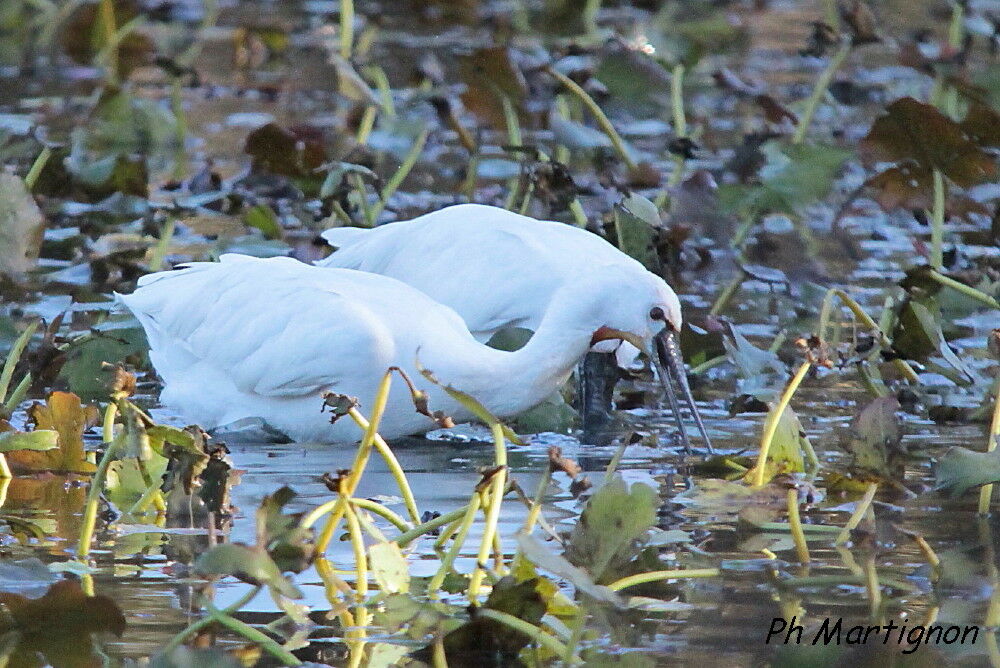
<point x="360" y="557"/>
<point x="771" y="424"/>
<point x="798" y="536"/>
<point x="497" y="487"/>
<point x="858" y="515"/>
<point x="657" y="576"/>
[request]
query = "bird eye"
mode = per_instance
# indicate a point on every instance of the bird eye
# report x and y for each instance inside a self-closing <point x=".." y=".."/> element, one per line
<point x="656" y="313"/>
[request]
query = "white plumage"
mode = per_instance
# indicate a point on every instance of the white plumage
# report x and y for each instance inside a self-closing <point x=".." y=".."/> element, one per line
<point x="496" y="268"/>
<point x="247" y="337"/>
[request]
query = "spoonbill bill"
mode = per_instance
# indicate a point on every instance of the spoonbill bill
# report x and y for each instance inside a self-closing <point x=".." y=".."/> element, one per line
<point x="267" y="338"/>
<point x="498" y="269"/>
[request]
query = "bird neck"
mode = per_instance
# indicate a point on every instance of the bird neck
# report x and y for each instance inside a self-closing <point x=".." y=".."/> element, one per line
<point x="507" y="383"/>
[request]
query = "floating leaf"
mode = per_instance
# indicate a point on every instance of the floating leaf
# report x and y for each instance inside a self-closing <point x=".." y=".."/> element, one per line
<point x="874" y="437"/>
<point x="607" y="535"/>
<point x="389" y="567"/>
<point x="794" y="177"/>
<point x="286" y="541"/>
<point x="916" y="335"/>
<point x="636" y="224"/>
<point x="785" y="453"/>
<point x="911" y="131"/>
<point x="541" y="556"/>
<point x="84" y="370"/>
<point x="482" y="641"/>
<point x="124" y="122"/>
<point x="961" y="469"/>
<point x="21" y="226"/>
<point x="58" y="627"/>
<point x="490" y="75"/>
<point x="249" y="564"/>
<point x="40" y="439"/>
<point x="83" y="37"/>
<point x="907" y="185"/>
<point x="64" y="413"/>
<point x="264" y="219"/>
<point x="292" y="152"/>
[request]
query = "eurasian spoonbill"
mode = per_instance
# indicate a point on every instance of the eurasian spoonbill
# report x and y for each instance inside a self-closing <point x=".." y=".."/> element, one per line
<point x="498" y="269"/>
<point x="266" y="338"/>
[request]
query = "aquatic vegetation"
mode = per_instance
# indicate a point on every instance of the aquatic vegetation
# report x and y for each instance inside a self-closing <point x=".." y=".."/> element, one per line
<point x="816" y="180"/>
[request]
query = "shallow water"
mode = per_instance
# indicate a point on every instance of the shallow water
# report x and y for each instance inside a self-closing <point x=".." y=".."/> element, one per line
<point x="723" y="621"/>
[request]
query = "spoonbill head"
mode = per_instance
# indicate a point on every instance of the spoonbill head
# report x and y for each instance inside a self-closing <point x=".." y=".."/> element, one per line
<point x="267" y="338"/>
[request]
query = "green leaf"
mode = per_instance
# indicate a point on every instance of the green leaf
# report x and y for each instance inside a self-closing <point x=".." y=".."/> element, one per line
<point x="917" y="335"/>
<point x="794" y="177"/>
<point x="961" y="469"/>
<point x="388" y="565"/>
<point x="280" y="533"/>
<point x="249" y="564"/>
<point x="84" y="370"/>
<point x="264" y="219"/>
<point x="607" y="536"/>
<point x="636" y="224"/>
<point x="40" y="439"/>
<point x="785" y="454"/>
<point x="541" y="556"/>
<point x="874" y="438"/>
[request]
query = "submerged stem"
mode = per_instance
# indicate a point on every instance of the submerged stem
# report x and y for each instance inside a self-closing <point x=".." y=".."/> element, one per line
<point x="858" y="514"/>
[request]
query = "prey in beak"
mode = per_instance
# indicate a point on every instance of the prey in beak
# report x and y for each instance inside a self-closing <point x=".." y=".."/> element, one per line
<point x="669" y="364"/>
<point x="670" y="368"/>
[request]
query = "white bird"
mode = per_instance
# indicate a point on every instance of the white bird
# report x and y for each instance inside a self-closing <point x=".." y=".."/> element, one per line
<point x="266" y="338"/>
<point x="498" y="269"/>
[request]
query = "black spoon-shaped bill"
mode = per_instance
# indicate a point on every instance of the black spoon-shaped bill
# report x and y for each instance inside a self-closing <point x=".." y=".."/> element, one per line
<point x="670" y="368"/>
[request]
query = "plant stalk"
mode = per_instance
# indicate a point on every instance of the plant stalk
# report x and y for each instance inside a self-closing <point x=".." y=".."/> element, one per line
<point x="771" y="424"/>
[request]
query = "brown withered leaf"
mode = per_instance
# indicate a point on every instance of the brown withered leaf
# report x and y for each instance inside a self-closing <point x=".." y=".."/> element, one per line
<point x="22" y="226"/>
<point x="491" y="75"/>
<point x="911" y="131"/>
<point x="774" y="111"/>
<point x="982" y="126"/>
<point x="907" y="186"/>
<point x="559" y="463"/>
<point x="65" y="413"/>
<point x="859" y="18"/>
<point x="294" y="151"/>
<point x="58" y="627"/>
<point x="82" y="40"/>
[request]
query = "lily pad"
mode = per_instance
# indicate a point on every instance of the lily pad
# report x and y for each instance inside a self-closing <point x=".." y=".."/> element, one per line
<point x="917" y="133"/>
<point x="65" y="413"/>
<point x="636" y="224"/>
<point x="249" y="564"/>
<point x="21" y="226"/>
<point x="389" y="566"/>
<point x="961" y="469"/>
<point x="609" y="532"/>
